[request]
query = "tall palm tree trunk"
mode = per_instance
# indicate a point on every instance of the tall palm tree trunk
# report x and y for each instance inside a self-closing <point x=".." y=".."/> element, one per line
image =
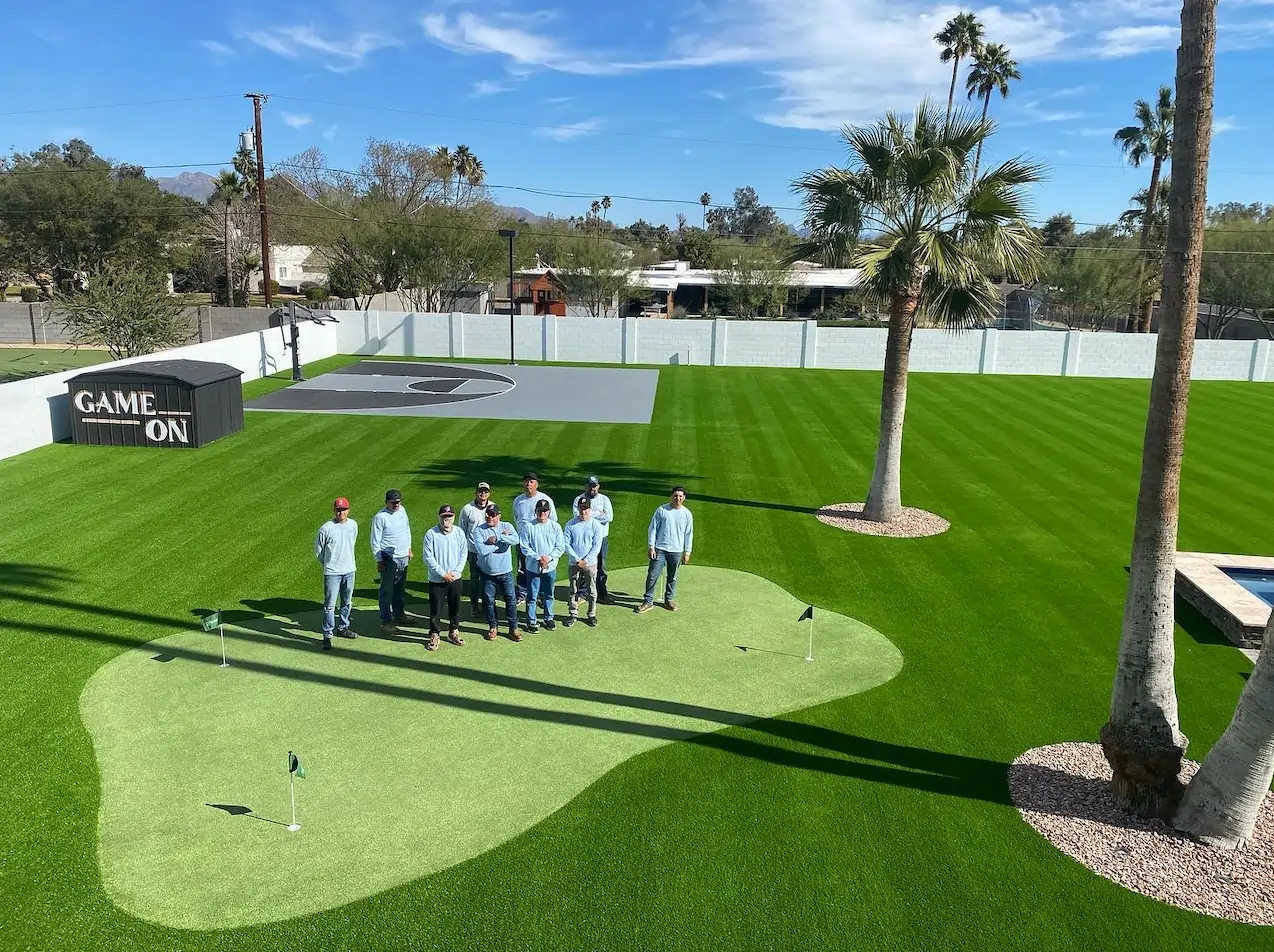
<point x="884" y="497"/>
<point x="1147" y="306"/>
<point x="1143" y="740"/>
<point x="977" y="159"/>
<point x="229" y="269"/>
<point x="955" y="69"/>
<point x="1221" y="803"/>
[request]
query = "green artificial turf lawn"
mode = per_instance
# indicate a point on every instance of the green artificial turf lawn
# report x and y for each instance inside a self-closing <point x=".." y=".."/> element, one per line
<point x="877" y="821"/>
<point x="416" y="757"/>
<point x="19" y="362"/>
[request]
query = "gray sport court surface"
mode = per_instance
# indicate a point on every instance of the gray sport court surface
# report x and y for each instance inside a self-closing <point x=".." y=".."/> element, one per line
<point x="493" y="392"/>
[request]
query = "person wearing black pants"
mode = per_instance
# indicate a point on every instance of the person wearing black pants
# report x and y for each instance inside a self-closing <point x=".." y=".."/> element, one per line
<point x="603" y="515"/>
<point x="445" y="551"/>
<point x="472" y="515"/>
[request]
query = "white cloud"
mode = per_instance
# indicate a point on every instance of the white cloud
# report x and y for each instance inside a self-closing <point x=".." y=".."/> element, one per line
<point x="717" y="95"/>
<point x="343" y="55"/>
<point x="573" y="130"/>
<point x="1134" y="40"/>
<point x="217" y="48"/>
<point x="296" y="121"/>
<point x="330" y="132"/>
<point x="1224" y="124"/>
<point x="489" y="87"/>
<point x="1090" y="131"/>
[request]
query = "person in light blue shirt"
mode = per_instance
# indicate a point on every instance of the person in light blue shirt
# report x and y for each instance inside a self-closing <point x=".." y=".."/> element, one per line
<point x="524" y="514"/>
<point x="334" y="548"/>
<point x="583" y="536"/>
<point x="446" y="551"/>
<point x="671" y="538"/>
<point x="542" y="545"/>
<point x="391" y="545"/>
<point x="494" y="542"/>
<point x="604" y="515"/>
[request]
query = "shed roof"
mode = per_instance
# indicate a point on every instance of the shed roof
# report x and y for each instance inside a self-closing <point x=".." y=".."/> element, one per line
<point x="196" y="373"/>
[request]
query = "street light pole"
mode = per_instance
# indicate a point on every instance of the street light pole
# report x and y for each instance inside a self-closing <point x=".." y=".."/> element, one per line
<point x="510" y="234"/>
<point x="257" y="99"/>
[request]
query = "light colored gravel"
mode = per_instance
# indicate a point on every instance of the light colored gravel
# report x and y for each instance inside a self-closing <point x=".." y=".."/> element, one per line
<point x="1063" y="791"/>
<point x="912" y="524"/>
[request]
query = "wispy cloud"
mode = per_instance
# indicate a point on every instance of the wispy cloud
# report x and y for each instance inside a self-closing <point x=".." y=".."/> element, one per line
<point x="489" y="87"/>
<point x="1090" y="132"/>
<point x="1134" y="40"/>
<point x="330" y="132"/>
<point x="296" y="121"/>
<point x="1033" y="111"/>
<point x="217" y="48"/>
<point x="558" y="100"/>
<point x="573" y="130"/>
<point x="1224" y="124"/>
<point x="717" y="95"/>
<point x="294" y="42"/>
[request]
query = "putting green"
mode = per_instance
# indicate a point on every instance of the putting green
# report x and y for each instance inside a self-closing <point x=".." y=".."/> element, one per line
<point x="417" y="761"/>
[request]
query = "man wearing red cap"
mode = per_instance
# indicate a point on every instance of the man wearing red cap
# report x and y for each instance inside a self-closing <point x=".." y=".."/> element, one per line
<point x="334" y="548"/>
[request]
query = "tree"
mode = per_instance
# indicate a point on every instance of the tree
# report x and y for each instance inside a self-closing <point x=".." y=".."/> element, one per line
<point x="1150" y="138"/>
<point x="1059" y="231"/>
<point x="443" y="253"/>
<point x="595" y="276"/>
<point x="1087" y="287"/>
<point x="961" y="37"/>
<point x="927" y="236"/>
<point x="1133" y="220"/>
<point x="705" y="200"/>
<point x="747" y="219"/>
<point x="990" y="71"/>
<point x="125" y="309"/>
<point x="1237" y="278"/>
<point x="1142" y="740"/>
<point x="227" y="188"/>
<point x="753" y="281"/>
<point x="696" y="246"/>
<point x="469" y="171"/>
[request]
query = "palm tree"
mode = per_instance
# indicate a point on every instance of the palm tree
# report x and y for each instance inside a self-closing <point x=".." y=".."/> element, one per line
<point x="468" y="168"/>
<point x="1150" y="138"/>
<point x="227" y="187"/>
<point x="961" y="37"/>
<point x="1143" y="740"/>
<point x="991" y="70"/>
<point x="444" y="167"/>
<point x="907" y="189"/>
<point x="606" y="206"/>
<point x="705" y="200"/>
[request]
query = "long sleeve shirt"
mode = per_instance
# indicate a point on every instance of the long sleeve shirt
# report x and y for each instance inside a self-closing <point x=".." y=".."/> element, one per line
<point x="603" y="512"/>
<point x="524" y="508"/>
<point x="495" y="558"/>
<point x="541" y="538"/>
<point x="583" y="540"/>
<point x="334" y="546"/>
<point x="391" y="534"/>
<point x="471" y="514"/>
<point x="672" y="530"/>
<point x="444" y="552"/>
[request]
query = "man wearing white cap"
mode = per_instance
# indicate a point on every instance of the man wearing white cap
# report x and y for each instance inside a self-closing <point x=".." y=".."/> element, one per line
<point x="603" y="513"/>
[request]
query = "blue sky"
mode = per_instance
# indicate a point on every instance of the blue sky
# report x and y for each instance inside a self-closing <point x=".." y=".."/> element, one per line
<point x="649" y="98"/>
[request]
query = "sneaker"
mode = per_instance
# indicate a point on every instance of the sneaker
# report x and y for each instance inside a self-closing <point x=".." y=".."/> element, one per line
<point x="389" y="628"/>
<point x="670" y="604"/>
<point x="515" y="635"/>
<point x="345" y="633"/>
<point x="605" y="598"/>
<point x="404" y="618"/>
<point x="521" y="601"/>
<point x="643" y="608"/>
<point x="549" y="624"/>
<point x="532" y="629"/>
<point x="433" y="642"/>
<point x="591" y="621"/>
<point x="327" y="644"/>
<point x="491" y="634"/>
<point x="568" y="621"/>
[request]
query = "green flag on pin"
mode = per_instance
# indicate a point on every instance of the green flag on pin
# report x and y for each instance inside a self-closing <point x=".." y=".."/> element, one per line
<point x="294" y="766"/>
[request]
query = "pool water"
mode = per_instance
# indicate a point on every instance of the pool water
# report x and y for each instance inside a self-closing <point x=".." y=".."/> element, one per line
<point x="1260" y="582"/>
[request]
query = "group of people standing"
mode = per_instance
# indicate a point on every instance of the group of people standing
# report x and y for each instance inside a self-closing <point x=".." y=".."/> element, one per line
<point x="517" y="561"/>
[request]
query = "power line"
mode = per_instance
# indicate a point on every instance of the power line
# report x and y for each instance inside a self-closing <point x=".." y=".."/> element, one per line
<point x="112" y="168"/>
<point x="118" y="105"/>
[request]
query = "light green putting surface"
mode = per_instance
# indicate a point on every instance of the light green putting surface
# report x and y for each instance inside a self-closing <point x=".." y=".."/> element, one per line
<point x="417" y="761"/>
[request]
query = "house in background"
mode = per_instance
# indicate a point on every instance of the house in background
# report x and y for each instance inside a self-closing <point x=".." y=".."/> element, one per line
<point x="295" y="267"/>
<point x="812" y="289"/>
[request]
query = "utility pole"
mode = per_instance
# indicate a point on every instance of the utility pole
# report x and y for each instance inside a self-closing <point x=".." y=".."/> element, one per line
<point x="257" y="99"/>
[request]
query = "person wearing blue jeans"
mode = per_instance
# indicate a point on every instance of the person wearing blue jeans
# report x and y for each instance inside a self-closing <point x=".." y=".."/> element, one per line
<point x="391" y="545"/>
<point x="670" y="539"/>
<point x="494" y="541"/>
<point x="334" y="548"/>
<point x="524" y="514"/>
<point x="542" y="545"/>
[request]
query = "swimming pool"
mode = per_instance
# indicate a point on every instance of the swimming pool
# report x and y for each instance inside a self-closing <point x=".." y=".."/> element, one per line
<point x="1259" y="582"/>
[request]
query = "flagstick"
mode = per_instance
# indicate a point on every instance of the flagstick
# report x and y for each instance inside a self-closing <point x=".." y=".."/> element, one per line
<point x="810" y="655"/>
<point x="292" y="790"/>
<point x="224" y="662"/>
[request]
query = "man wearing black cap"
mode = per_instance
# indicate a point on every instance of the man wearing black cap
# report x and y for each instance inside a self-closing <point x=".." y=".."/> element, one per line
<point x="524" y="514"/>
<point x="494" y="540"/>
<point x="472" y="515"/>
<point x="445" y="549"/>
<point x="391" y="545"/>
<point x="603" y="513"/>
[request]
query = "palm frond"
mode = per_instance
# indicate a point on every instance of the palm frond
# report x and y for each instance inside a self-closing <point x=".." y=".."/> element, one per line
<point x="959" y="305"/>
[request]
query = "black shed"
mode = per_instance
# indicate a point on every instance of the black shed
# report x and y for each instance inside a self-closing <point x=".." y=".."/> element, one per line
<point x="181" y="403"/>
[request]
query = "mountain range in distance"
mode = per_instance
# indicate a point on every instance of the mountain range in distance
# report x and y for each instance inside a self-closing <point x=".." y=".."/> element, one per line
<point x="200" y="185"/>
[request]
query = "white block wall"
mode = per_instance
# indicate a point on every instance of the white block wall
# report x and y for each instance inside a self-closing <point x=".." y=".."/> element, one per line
<point x="1024" y="352"/>
<point x="765" y="343"/>
<point x="585" y="340"/>
<point x="851" y="348"/>
<point x="1119" y="355"/>
<point x="945" y="351"/>
<point x="1221" y="360"/>
<point x="661" y="341"/>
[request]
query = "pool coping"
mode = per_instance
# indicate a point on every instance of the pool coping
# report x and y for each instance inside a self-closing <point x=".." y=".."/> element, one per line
<point x="1235" y="611"/>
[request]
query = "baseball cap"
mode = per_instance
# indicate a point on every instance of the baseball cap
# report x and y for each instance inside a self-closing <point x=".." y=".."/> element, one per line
<point x="493" y="510"/>
<point x="592" y="481"/>
<point x="392" y="495"/>
<point x="340" y="503"/>
<point x="542" y="506"/>
<point x="584" y="503"/>
<point x="446" y="511"/>
<point x="531" y="475"/>
<point x="482" y="486"/>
